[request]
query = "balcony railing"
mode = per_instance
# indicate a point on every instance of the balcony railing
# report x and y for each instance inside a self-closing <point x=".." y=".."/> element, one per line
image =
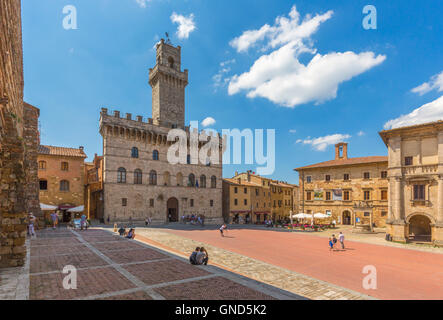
<point x="423" y="169"/>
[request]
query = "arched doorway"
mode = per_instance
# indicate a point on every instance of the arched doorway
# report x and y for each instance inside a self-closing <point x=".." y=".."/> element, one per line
<point x="346" y="218"/>
<point x="420" y="228"/>
<point x="172" y="210"/>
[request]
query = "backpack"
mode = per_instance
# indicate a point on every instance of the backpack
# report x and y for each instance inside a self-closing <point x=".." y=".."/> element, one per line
<point x="335" y="240"/>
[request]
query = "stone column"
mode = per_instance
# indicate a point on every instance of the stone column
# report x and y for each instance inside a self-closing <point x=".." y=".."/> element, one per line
<point x="440" y="201"/>
<point x="396" y="207"/>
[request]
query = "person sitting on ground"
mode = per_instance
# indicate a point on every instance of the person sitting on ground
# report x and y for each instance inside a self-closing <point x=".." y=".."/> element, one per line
<point x="193" y="256"/>
<point x="202" y="257"/>
<point x="122" y="231"/>
<point x="131" y="234"/>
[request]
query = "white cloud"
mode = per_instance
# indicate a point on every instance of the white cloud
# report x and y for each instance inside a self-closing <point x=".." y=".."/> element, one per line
<point x="220" y="78"/>
<point x="429" y="112"/>
<point x="284" y="30"/>
<point x="142" y="3"/>
<point x="209" y="121"/>
<point x="360" y="133"/>
<point x="436" y="82"/>
<point x="321" y="143"/>
<point x="280" y="77"/>
<point x="185" y="24"/>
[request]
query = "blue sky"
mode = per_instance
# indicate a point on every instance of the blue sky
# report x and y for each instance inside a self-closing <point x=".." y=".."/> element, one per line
<point x="314" y="83"/>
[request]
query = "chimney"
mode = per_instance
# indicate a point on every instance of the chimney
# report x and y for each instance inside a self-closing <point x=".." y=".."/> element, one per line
<point x="236" y="173"/>
<point x="341" y="151"/>
<point x="81" y="148"/>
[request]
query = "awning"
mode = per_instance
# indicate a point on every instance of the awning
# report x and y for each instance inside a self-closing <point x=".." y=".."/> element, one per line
<point x="240" y="211"/>
<point x="47" y="207"/>
<point x="77" y="209"/>
<point x="263" y="212"/>
<point x="65" y="207"/>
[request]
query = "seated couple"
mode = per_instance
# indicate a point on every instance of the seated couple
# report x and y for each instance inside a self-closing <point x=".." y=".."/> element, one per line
<point x="199" y="256"/>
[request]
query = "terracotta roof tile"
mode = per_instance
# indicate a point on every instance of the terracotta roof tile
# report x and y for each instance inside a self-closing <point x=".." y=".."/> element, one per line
<point x="61" y="151"/>
<point x="345" y="162"/>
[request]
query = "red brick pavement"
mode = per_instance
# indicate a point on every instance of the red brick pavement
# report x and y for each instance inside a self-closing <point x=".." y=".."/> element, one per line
<point x="216" y="288"/>
<point x="51" y="252"/>
<point x="158" y="272"/>
<point x="401" y="273"/>
<point x="90" y="282"/>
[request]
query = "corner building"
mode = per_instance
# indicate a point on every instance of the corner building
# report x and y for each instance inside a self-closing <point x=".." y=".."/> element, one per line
<point x="415" y="182"/>
<point x="138" y="180"/>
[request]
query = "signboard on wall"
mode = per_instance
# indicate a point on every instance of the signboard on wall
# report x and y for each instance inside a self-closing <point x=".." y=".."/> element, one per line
<point x="337" y="194"/>
<point x="318" y="194"/>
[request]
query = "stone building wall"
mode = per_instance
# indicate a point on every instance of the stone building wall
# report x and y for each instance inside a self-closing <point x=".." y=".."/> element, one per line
<point x="356" y="186"/>
<point x="16" y="168"/>
<point x="119" y="137"/>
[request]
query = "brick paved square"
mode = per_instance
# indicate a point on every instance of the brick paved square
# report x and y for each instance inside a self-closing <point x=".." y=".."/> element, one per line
<point x="113" y="245"/>
<point x="103" y="238"/>
<point x="58" y="250"/>
<point x="57" y="263"/>
<point x="164" y="271"/>
<point x="134" y="255"/>
<point x="217" y="288"/>
<point x="89" y="282"/>
<point x="139" y="295"/>
<point x="64" y="241"/>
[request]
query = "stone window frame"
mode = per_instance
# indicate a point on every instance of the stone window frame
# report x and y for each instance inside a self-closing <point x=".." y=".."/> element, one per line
<point x="64" y="186"/>
<point x="327" y="178"/>
<point x="134" y="153"/>
<point x="346" y="177"/>
<point x="348" y="192"/>
<point x="382" y="191"/>
<point x="366" y="175"/>
<point x="124" y="202"/>
<point x="409" y="161"/>
<point x="202" y="181"/>
<point x="121" y="175"/>
<point x="328" y="193"/>
<point x="191" y="180"/>
<point x="245" y="202"/>
<point x="151" y="203"/>
<point x="211" y="203"/>
<point x="309" y="195"/>
<point x="245" y="190"/>
<point x="367" y="192"/>
<point x="235" y="202"/>
<point x="235" y="189"/>
<point x="191" y="203"/>
<point x="308" y="179"/>
<point x="40" y="184"/>
<point x="64" y="166"/>
<point x="138" y="176"/>
<point x="384" y="174"/>
<point x="42" y="165"/>
<point x="155" y="155"/>
<point x="153" y="178"/>
<point x="213" y="182"/>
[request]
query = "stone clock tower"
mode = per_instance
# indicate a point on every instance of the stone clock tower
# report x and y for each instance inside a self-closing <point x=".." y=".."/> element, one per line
<point x="168" y="84"/>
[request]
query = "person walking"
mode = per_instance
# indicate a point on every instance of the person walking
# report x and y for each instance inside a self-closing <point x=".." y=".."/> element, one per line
<point x="83" y="222"/>
<point x="222" y="228"/>
<point x="31" y="225"/>
<point x="331" y="244"/>
<point x="54" y="218"/>
<point x="334" y="239"/>
<point x="341" y="238"/>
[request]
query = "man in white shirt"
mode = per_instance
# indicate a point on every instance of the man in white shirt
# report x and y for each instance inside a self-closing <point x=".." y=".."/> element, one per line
<point x="341" y="238"/>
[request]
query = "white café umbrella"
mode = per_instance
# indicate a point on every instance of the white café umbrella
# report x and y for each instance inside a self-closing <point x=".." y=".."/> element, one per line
<point x="301" y="215"/>
<point x="77" y="209"/>
<point x="320" y="215"/>
<point x="47" y="207"/>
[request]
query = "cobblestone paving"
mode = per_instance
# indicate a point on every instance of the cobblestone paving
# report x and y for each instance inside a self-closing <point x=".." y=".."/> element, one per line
<point x="110" y="267"/>
<point x="275" y="276"/>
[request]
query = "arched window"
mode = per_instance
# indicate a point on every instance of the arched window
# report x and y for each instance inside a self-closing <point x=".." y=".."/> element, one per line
<point x="134" y="152"/>
<point x="203" y="181"/>
<point x="153" y="177"/>
<point x="155" y="155"/>
<point x="43" y="184"/>
<point x="191" y="180"/>
<point x="171" y="62"/>
<point x="166" y="178"/>
<point x="213" y="182"/>
<point x="64" y="185"/>
<point x="138" y="176"/>
<point x="179" y="178"/>
<point x="42" y="165"/>
<point x="121" y="175"/>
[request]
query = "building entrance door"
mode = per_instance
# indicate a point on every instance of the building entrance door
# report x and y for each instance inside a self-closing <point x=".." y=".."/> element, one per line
<point x="172" y="210"/>
<point x="420" y="228"/>
<point x="346" y="218"/>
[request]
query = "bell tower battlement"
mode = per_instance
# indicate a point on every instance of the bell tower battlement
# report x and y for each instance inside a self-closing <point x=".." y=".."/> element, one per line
<point x="168" y="84"/>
